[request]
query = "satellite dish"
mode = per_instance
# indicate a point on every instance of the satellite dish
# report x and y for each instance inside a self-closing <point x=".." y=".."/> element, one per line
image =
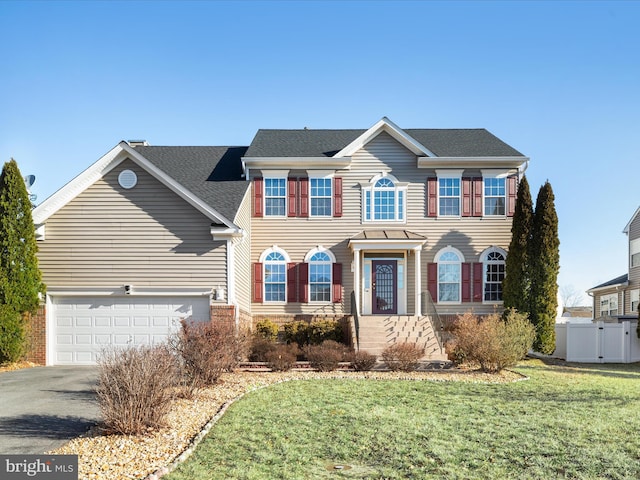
<point x="29" y="180"/>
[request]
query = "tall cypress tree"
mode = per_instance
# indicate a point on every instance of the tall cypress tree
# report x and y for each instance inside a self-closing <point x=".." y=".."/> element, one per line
<point x="544" y="259"/>
<point x="516" y="284"/>
<point x="20" y="277"/>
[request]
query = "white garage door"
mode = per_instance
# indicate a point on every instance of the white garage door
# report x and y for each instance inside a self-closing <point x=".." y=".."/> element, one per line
<point x="83" y="326"/>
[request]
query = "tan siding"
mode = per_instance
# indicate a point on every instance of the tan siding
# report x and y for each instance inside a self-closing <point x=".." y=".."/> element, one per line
<point x="634" y="232"/>
<point x="147" y="236"/>
<point x="243" y="256"/>
<point x="299" y="235"/>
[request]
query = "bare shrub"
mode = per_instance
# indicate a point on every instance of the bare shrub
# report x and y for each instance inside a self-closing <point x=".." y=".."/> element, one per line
<point x="260" y="346"/>
<point x="492" y="342"/>
<point x="327" y="356"/>
<point x="135" y="387"/>
<point x="208" y="349"/>
<point x="403" y="357"/>
<point x="363" y="361"/>
<point x="282" y="357"/>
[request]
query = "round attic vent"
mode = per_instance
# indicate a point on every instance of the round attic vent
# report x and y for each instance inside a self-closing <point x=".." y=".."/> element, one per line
<point x="127" y="179"/>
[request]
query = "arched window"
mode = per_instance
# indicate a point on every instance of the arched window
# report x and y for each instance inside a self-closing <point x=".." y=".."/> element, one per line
<point x="320" y="262"/>
<point x="384" y="200"/>
<point x="274" y="264"/>
<point x="493" y="271"/>
<point x="449" y="262"/>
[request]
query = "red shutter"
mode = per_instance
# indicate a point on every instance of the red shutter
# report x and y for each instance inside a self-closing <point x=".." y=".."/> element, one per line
<point x="304" y="197"/>
<point x="337" y="283"/>
<point x="432" y="197"/>
<point x="512" y="191"/>
<point x="477" y="282"/>
<point x="303" y="282"/>
<point x="337" y="197"/>
<point x="292" y="211"/>
<point x="432" y="280"/>
<point x="258" y="204"/>
<point x="466" y="282"/>
<point x="477" y="197"/>
<point x="466" y="197"/>
<point x="257" y="283"/>
<point x="292" y="283"/>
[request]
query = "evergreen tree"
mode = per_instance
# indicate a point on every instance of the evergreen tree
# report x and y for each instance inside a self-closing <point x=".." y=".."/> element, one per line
<point x="516" y="284"/>
<point x="20" y="277"/>
<point x="544" y="260"/>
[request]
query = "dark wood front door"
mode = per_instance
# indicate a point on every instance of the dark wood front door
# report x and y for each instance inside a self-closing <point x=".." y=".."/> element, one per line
<point x="384" y="287"/>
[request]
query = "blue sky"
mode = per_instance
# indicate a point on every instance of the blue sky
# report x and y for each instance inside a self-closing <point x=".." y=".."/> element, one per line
<point x="559" y="81"/>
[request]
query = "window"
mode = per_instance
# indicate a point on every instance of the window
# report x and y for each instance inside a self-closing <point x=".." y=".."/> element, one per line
<point x="320" y="266"/>
<point x="635" y="300"/>
<point x="275" y="275"/>
<point x="493" y="261"/>
<point x="449" y="197"/>
<point x="384" y="200"/>
<point x="634" y="251"/>
<point x="449" y="275"/>
<point x="321" y="197"/>
<point x="495" y="196"/>
<point x="275" y="197"/>
<point x="609" y="305"/>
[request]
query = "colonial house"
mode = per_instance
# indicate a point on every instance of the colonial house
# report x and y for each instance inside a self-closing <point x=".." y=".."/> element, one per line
<point x="386" y="229"/>
<point x="618" y="298"/>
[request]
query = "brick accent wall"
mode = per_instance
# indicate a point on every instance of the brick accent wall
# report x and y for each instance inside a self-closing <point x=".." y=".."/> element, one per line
<point x="222" y="313"/>
<point x="37" y="337"/>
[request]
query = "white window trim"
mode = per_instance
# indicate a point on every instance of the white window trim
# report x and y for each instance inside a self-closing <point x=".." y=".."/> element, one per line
<point x="332" y="260"/>
<point x="287" y="259"/>
<point x="441" y="252"/>
<point x="484" y="259"/>
<point x="444" y="174"/>
<point x="634" y="296"/>
<point x="323" y="174"/>
<point x="608" y="298"/>
<point x="398" y="187"/>
<point x="275" y="174"/>
<point x="495" y="174"/>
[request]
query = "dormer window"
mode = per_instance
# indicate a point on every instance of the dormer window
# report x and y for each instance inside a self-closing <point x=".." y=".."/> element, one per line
<point x="384" y="200"/>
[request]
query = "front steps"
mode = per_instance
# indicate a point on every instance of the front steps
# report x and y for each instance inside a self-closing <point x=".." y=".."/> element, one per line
<point x="376" y="332"/>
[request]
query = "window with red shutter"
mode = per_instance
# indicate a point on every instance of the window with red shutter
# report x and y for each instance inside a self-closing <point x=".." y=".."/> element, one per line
<point x="292" y="283"/>
<point x="303" y="282"/>
<point x="258" y="283"/>
<point x="466" y="282"/>
<point x="477" y="196"/>
<point x="432" y="198"/>
<point x="304" y="197"/>
<point x="466" y="197"/>
<point x="258" y="203"/>
<point x="512" y="191"/>
<point x="337" y="197"/>
<point x="337" y="282"/>
<point x="432" y="281"/>
<point x="477" y="282"/>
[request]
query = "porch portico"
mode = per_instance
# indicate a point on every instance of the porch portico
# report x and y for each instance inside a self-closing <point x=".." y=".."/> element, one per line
<point x="380" y="269"/>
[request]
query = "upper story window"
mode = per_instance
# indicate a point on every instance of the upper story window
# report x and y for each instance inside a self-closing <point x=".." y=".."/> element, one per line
<point x="635" y="300"/>
<point x="449" y="197"/>
<point x="634" y="252"/>
<point x="609" y="305"/>
<point x="321" y="196"/>
<point x="320" y="263"/>
<point x="385" y="200"/>
<point x="275" y="197"/>
<point x="449" y="262"/>
<point x="493" y="261"/>
<point x="495" y="195"/>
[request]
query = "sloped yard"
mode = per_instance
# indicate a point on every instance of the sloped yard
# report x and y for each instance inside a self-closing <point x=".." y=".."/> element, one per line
<point x="565" y="422"/>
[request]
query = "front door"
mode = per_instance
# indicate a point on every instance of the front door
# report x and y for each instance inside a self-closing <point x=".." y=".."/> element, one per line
<point x="384" y="287"/>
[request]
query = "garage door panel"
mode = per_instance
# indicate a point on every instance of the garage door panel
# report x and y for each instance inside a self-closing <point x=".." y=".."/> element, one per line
<point x="83" y="327"/>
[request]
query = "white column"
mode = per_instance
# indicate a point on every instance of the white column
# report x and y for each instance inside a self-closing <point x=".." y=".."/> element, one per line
<point x="356" y="278"/>
<point x="418" y="282"/>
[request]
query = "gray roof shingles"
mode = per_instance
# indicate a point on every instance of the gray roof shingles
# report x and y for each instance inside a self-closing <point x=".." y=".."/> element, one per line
<point x="616" y="281"/>
<point x="213" y="174"/>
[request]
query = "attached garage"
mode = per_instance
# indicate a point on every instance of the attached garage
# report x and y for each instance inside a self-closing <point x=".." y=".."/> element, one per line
<point x="80" y="327"/>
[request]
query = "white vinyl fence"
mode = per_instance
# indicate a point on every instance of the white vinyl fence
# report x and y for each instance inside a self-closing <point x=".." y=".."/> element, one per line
<point x="598" y="342"/>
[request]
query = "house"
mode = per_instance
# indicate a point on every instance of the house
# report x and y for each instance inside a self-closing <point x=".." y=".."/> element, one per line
<point x="618" y="299"/>
<point x="388" y="229"/>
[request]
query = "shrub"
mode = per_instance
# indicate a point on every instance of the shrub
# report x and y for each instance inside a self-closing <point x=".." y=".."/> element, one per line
<point x="297" y="332"/>
<point x="326" y="356"/>
<point x="492" y="342"/>
<point x="260" y="346"/>
<point x="13" y="335"/>
<point x="363" y="361"/>
<point x="208" y="349"/>
<point x="135" y="387"/>
<point x="282" y="358"/>
<point x="402" y="357"/>
<point x="314" y="333"/>
<point x="267" y="329"/>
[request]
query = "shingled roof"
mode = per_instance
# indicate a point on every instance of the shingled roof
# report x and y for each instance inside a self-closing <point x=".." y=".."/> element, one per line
<point x="318" y="143"/>
<point x="214" y="174"/>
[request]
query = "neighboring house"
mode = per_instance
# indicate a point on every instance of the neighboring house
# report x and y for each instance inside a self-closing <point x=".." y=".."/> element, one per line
<point x="381" y="227"/>
<point x="618" y="299"/>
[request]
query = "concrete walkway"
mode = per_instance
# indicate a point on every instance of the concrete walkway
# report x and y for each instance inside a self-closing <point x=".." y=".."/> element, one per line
<point x="42" y="408"/>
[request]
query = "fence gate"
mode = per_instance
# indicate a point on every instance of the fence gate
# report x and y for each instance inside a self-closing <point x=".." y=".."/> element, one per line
<point x="598" y="342"/>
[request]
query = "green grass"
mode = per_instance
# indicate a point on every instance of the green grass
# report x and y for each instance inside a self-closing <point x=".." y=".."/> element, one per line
<point x="565" y="422"/>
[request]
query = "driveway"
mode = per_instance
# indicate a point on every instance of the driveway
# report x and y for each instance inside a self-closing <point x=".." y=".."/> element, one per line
<point x="42" y="408"/>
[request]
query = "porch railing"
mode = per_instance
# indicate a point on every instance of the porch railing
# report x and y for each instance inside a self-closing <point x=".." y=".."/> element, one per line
<point x="356" y="319"/>
<point x="429" y="309"/>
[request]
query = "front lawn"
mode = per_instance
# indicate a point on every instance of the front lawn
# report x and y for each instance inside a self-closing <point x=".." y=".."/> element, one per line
<point x="580" y="422"/>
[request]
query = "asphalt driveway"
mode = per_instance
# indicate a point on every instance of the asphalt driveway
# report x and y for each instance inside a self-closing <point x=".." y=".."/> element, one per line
<point x="42" y="408"/>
